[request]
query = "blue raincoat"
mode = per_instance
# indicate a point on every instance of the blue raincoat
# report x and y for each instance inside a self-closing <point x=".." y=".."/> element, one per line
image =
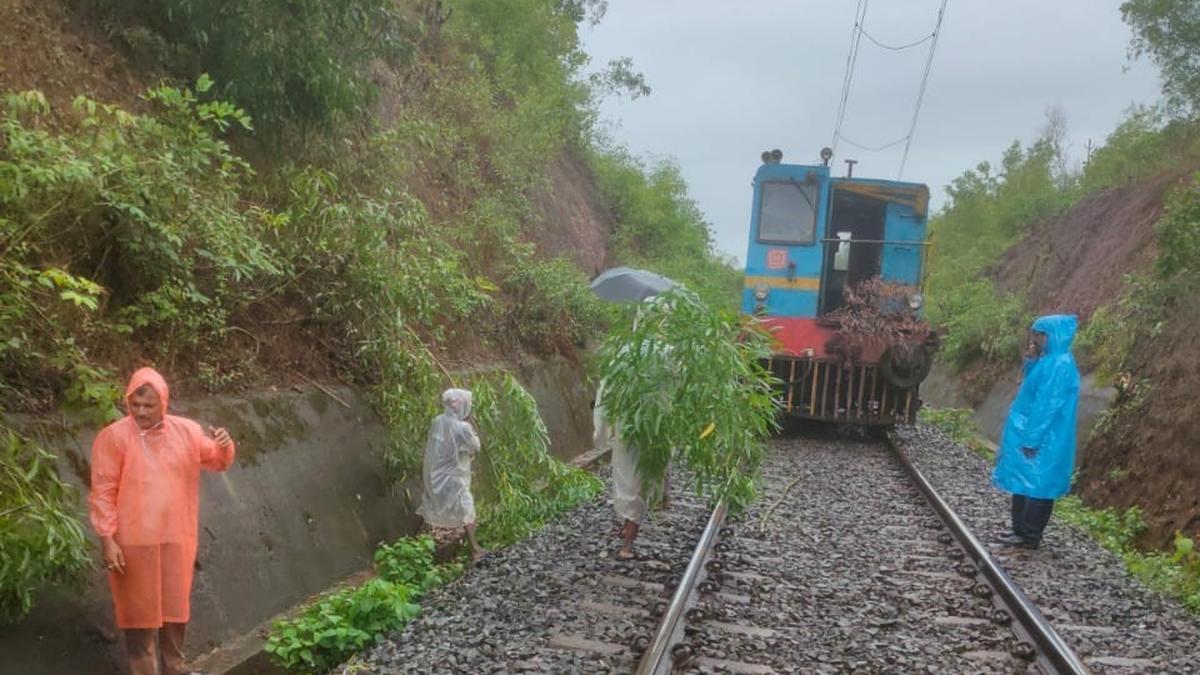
<point x="1042" y="417"/>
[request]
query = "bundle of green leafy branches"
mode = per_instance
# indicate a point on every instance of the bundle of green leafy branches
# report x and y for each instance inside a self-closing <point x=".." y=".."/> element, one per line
<point x="686" y="381"/>
<point x="40" y="539"/>
<point x="524" y="485"/>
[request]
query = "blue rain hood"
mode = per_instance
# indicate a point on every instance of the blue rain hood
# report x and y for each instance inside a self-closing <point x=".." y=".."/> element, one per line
<point x="1042" y="417"/>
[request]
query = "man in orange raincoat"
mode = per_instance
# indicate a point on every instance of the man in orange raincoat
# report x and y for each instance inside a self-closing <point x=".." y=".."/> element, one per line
<point x="144" y="506"/>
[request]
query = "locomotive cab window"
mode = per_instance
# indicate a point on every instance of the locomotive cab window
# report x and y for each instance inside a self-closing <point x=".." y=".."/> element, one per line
<point x="788" y="213"/>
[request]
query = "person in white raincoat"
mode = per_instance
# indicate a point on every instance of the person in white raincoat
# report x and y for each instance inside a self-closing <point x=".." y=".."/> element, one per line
<point x="628" y="493"/>
<point x="446" y="501"/>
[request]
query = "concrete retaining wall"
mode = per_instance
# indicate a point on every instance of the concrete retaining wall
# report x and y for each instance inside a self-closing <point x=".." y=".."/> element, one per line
<point x="940" y="390"/>
<point x="302" y="508"/>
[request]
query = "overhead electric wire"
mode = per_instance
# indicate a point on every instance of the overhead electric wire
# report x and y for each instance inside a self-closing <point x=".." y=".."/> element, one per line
<point x="876" y="148"/>
<point x="912" y="128"/>
<point x="860" y="13"/>
<point x="896" y="48"/>
<point x="856" y="36"/>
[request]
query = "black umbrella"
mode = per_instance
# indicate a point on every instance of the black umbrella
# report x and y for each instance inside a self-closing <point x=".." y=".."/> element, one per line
<point x="625" y="284"/>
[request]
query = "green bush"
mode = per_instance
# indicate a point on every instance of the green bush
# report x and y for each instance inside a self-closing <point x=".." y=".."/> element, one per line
<point x="981" y="324"/>
<point x="1146" y="142"/>
<point x="1106" y="340"/>
<point x="289" y="62"/>
<point x="345" y="622"/>
<point x="41" y="541"/>
<point x="986" y="214"/>
<point x="1178" y="233"/>
<point x="409" y="562"/>
<point x="340" y="625"/>
<point x="550" y="306"/>
<point x="660" y="227"/>
<point x="148" y="204"/>
<point x="1175" y="573"/>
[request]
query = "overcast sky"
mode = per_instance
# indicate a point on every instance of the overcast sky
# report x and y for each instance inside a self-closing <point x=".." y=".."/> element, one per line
<point x="732" y="78"/>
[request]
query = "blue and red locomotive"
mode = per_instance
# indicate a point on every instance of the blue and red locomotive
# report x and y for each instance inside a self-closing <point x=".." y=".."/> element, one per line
<point x="816" y="244"/>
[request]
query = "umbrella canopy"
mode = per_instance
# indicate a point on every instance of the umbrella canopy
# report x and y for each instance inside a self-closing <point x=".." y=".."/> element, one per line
<point x="625" y="284"/>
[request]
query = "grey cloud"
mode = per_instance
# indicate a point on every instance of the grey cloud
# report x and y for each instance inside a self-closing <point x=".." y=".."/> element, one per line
<point x="733" y="78"/>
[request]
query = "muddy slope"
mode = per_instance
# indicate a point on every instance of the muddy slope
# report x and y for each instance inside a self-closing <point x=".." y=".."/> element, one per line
<point x="1147" y="456"/>
<point x="570" y="217"/>
<point x="1077" y="262"/>
<point x="44" y="46"/>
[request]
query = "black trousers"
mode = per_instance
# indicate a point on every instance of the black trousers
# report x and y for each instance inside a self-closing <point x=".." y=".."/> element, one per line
<point x="1030" y="515"/>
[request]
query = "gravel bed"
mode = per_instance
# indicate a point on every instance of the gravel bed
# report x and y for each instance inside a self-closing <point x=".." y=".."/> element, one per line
<point x="837" y="568"/>
<point x="1115" y="623"/>
<point x="843" y="573"/>
<point x="515" y="610"/>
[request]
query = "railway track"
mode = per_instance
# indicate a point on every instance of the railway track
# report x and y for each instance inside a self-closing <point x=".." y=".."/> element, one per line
<point x="760" y="588"/>
<point x="848" y="562"/>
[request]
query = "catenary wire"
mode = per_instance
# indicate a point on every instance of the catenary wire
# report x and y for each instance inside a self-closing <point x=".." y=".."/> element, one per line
<point x="912" y="127"/>
<point x="860" y="13"/>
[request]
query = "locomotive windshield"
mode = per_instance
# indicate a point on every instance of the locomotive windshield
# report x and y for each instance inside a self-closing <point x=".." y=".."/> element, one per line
<point x="788" y="213"/>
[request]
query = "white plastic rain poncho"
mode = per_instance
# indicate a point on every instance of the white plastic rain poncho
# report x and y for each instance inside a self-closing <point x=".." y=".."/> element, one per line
<point x="627" y="490"/>
<point x="446" y="501"/>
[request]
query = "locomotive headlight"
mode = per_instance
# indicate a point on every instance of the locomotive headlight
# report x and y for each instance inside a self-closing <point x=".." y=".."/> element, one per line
<point x="761" y="292"/>
<point x="916" y="301"/>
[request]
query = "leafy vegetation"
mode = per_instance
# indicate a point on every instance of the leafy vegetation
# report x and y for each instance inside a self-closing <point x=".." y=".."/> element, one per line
<point x="1145" y="143"/>
<point x="122" y="223"/>
<point x="1174" y="573"/>
<point x="389" y="232"/>
<point x="347" y="621"/>
<point x="291" y="64"/>
<point x="660" y="227"/>
<point x="987" y="212"/>
<point x="523" y="485"/>
<point x="1168" y="31"/>
<point x="684" y="381"/>
<point x="40" y="538"/>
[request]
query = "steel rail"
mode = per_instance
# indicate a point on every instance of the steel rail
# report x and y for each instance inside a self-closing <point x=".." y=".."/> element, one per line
<point x="1052" y="651"/>
<point x="657" y="659"/>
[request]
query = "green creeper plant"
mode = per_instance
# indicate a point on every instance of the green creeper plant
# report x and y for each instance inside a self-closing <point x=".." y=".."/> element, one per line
<point x="687" y="381"/>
